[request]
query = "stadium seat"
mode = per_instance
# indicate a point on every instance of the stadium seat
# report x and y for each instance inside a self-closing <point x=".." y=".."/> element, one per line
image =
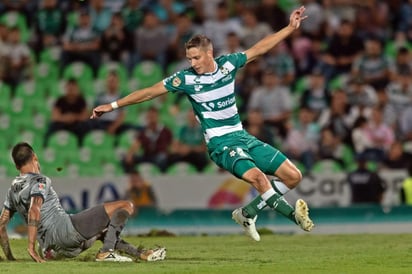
<point x="50" y="56"/>
<point x="15" y="19"/>
<point x="100" y="143"/>
<point x="46" y="75"/>
<point x="5" y="96"/>
<point x="327" y="165"/>
<point x="181" y="168"/>
<point x="126" y="139"/>
<point x="65" y="143"/>
<point x="82" y="72"/>
<point x="114" y="66"/>
<point x="147" y="73"/>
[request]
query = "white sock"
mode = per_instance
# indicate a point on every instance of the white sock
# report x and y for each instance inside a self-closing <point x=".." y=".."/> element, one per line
<point x="269" y="193"/>
<point x="280" y="187"/>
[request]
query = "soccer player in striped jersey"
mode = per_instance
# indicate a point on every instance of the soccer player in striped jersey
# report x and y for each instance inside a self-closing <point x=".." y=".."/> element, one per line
<point x="209" y="86"/>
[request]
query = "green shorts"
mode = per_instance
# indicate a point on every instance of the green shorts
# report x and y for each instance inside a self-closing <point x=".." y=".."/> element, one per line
<point x="237" y="152"/>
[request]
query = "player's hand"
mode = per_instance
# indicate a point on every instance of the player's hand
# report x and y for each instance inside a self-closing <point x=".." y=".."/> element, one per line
<point x="296" y="17"/>
<point x="100" y="110"/>
<point x="33" y="254"/>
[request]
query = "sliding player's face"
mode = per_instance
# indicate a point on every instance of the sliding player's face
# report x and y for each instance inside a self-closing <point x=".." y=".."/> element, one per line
<point x="201" y="60"/>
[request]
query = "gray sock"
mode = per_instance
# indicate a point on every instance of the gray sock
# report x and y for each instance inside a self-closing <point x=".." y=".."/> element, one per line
<point x="116" y="225"/>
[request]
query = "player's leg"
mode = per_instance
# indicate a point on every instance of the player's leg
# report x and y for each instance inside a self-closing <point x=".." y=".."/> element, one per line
<point x="273" y="162"/>
<point x="119" y="212"/>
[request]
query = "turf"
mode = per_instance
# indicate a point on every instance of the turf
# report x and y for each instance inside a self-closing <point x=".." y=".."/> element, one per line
<point x="303" y="253"/>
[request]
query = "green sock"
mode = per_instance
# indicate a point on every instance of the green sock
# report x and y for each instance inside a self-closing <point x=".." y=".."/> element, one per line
<point x="257" y="204"/>
<point x="279" y="204"/>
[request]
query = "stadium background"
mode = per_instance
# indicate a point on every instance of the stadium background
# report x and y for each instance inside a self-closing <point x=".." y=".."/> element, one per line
<point x="91" y="173"/>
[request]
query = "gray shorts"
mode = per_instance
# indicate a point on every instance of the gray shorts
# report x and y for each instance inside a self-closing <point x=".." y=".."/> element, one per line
<point x="91" y="222"/>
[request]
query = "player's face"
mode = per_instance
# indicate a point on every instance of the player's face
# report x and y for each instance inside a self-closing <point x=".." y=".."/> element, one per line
<point x="201" y="60"/>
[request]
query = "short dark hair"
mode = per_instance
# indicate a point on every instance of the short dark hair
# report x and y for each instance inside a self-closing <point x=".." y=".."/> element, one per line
<point x="199" y="41"/>
<point x="22" y="153"/>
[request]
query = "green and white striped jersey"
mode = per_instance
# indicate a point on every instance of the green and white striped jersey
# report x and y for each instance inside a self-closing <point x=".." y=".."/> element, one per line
<point x="212" y="95"/>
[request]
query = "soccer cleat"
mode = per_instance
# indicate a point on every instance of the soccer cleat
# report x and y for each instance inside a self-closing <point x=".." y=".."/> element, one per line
<point x="151" y="255"/>
<point x="111" y="256"/>
<point x="302" y="215"/>
<point x="248" y="224"/>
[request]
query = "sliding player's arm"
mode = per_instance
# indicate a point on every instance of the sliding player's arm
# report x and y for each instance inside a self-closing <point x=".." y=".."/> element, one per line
<point x="33" y="221"/>
<point x="4" y="238"/>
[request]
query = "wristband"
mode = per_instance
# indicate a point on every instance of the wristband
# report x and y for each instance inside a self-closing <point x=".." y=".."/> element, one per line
<point x="114" y="105"/>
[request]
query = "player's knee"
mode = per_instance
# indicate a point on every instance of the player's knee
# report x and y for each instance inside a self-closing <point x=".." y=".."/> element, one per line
<point x="293" y="178"/>
<point x="257" y="178"/>
<point x="129" y="207"/>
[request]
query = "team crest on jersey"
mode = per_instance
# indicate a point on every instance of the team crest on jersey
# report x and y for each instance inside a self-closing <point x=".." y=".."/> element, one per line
<point x="224" y="70"/>
<point x="198" y="87"/>
<point x="176" y="82"/>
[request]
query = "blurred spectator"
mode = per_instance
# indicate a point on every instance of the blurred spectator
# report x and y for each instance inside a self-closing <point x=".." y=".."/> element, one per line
<point x="331" y="147"/>
<point x="82" y="43"/>
<point x="100" y="15"/>
<point x="114" y="122"/>
<point x="152" y="144"/>
<point x="405" y="16"/>
<point x="184" y="30"/>
<point x="380" y="136"/>
<point x="168" y="10"/>
<point x="49" y="25"/>
<point x="274" y="100"/>
<point x="405" y="124"/>
<point x="366" y="185"/>
<point x="132" y="14"/>
<point x="189" y="146"/>
<point x="301" y="49"/>
<point x="399" y="92"/>
<point x="397" y="158"/>
<point x="233" y="44"/>
<point x="281" y="62"/>
<point x="340" y="116"/>
<point x="140" y="192"/>
<point x="249" y="78"/>
<point x="218" y="28"/>
<point x="313" y="26"/>
<point x="341" y="51"/>
<point x="151" y="40"/>
<point x="359" y="136"/>
<point x="269" y="11"/>
<point x="255" y="125"/>
<point x="301" y="142"/>
<point x="375" y="68"/>
<point x="252" y="29"/>
<point x="70" y="113"/>
<point x="3" y="48"/>
<point x="116" y="41"/>
<point x="361" y="94"/>
<point x="317" y="96"/>
<point x="206" y="9"/>
<point x="403" y="62"/>
<point x="17" y="59"/>
<point x="406" y="188"/>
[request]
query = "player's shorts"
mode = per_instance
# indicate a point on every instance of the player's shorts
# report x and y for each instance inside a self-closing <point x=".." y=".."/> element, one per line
<point x="237" y="152"/>
<point x="91" y="222"/>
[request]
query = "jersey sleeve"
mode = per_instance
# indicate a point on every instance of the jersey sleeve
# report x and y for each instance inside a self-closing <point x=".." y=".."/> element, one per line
<point x="238" y="59"/>
<point x="40" y="186"/>
<point x="174" y="82"/>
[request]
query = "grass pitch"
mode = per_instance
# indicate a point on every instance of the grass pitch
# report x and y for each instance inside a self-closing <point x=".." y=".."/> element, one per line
<point x="363" y="253"/>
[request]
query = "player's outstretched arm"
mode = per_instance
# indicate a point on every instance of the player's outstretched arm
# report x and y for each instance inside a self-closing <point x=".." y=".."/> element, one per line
<point x="270" y="41"/>
<point x="32" y="224"/>
<point x="135" y="97"/>
<point x="4" y="238"/>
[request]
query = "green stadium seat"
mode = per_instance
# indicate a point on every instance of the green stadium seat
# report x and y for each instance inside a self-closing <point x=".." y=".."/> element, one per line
<point x="100" y="143"/>
<point x="5" y="97"/>
<point x="147" y="73"/>
<point x="181" y="168"/>
<point x="15" y="19"/>
<point x="46" y="75"/>
<point x="82" y="72"/>
<point x="326" y="165"/>
<point x="114" y="66"/>
<point x="50" y="56"/>
<point x="65" y="143"/>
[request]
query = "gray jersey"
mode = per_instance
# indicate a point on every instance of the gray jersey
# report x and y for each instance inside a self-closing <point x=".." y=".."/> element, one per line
<point x="55" y="229"/>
